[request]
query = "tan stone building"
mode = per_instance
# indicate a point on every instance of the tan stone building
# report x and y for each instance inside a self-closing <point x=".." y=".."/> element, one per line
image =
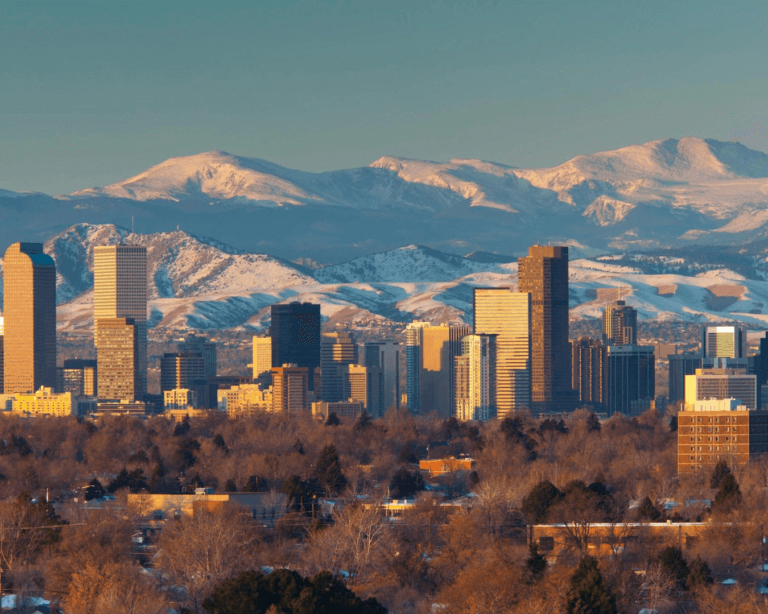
<point x="45" y="402"/>
<point x="245" y="399"/>
<point x="262" y="356"/>
<point x="120" y="291"/>
<point x="117" y="340"/>
<point x="719" y="429"/>
<point x="290" y="389"/>
<point x="29" y="309"/>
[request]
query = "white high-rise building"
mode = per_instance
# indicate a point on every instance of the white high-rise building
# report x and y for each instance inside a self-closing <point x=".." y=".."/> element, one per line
<point x="120" y="291"/>
<point x="507" y="314"/>
<point x="723" y="342"/>
<point x="475" y="378"/>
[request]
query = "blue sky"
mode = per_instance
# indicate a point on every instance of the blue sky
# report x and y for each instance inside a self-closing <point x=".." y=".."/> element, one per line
<point x="91" y="93"/>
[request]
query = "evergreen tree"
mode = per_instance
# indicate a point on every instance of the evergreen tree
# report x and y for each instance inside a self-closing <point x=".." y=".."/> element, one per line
<point x="535" y="564"/>
<point x="718" y="473"/>
<point x="363" y="421"/>
<point x="405" y="484"/>
<point x="699" y="574"/>
<point x="543" y="496"/>
<point x="593" y="423"/>
<point x="328" y="471"/>
<point x="673" y="424"/>
<point x="648" y="511"/>
<point x="728" y="497"/>
<point x="333" y="419"/>
<point x="588" y="593"/>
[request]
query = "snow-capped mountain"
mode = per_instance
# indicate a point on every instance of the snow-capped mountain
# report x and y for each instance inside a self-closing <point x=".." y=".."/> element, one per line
<point x="201" y="283"/>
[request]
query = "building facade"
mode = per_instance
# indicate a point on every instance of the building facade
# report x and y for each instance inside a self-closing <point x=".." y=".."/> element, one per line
<point x="179" y="398"/>
<point x="117" y="340"/>
<point x="77" y="376"/>
<point x="631" y="378"/>
<point x="290" y="389"/>
<point x="386" y="355"/>
<point x="723" y="342"/>
<point x="185" y="370"/>
<point x="721" y="384"/>
<point x="120" y="291"/>
<point x="475" y="378"/>
<point x="262" y="357"/>
<point x="29" y="310"/>
<point x="245" y="399"/>
<point x="295" y="332"/>
<point x="589" y="365"/>
<point x="619" y="324"/>
<point x="681" y="365"/>
<point x="45" y="402"/>
<point x="544" y="274"/>
<point x="206" y="349"/>
<point x="507" y="315"/>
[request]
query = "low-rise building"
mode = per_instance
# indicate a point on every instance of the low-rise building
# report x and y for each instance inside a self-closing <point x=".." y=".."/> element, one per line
<point x="244" y="400"/>
<point x="179" y="398"/>
<point x="344" y="410"/>
<point x="441" y="466"/>
<point x="45" y="402"/>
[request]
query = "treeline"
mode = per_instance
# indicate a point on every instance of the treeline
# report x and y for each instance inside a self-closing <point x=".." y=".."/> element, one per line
<point x="466" y="558"/>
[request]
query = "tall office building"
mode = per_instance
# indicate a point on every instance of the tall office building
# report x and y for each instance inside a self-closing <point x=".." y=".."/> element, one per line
<point x="29" y="306"/>
<point x="544" y="274"/>
<point x="207" y="349"/>
<point x="413" y="363"/>
<point x="295" y="332"/>
<point x="386" y="354"/>
<point x="77" y="376"/>
<point x="723" y="342"/>
<point x="631" y="379"/>
<point x="475" y="379"/>
<point x="507" y="314"/>
<point x="290" y="389"/>
<point x="365" y="385"/>
<point x="262" y="356"/>
<point x="179" y="370"/>
<point x="619" y="324"/>
<point x="721" y="384"/>
<point x="120" y="291"/>
<point x="589" y="364"/>
<point x="681" y="365"/>
<point x="117" y="360"/>
<point x="336" y="350"/>
<point x="2" y="355"/>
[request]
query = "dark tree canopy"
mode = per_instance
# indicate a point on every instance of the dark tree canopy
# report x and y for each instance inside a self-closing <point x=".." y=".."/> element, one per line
<point x="588" y="593"/>
<point x="593" y="423"/>
<point x="648" y="511"/>
<point x="538" y="502"/>
<point x="699" y="574"/>
<point x="674" y="565"/>
<point x="405" y="484"/>
<point x="287" y="592"/>
<point x="728" y="497"/>
<point x="535" y="564"/>
<point x="718" y="473"/>
<point x="328" y="471"/>
<point x="333" y="419"/>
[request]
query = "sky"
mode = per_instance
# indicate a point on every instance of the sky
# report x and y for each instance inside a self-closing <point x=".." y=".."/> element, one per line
<point x="92" y="93"/>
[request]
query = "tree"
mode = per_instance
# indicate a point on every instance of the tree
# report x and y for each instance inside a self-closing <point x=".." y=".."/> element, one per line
<point x="728" y="497"/>
<point x="333" y="419"/>
<point x="537" y="503"/>
<point x="648" y="511"/>
<point x="26" y="528"/>
<point x="199" y="551"/>
<point x="674" y="565"/>
<point x="363" y="421"/>
<point x="718" y="473"/>
<point x="588" y="593"/>
<point x="593" y="423"/>
<point x="94" y="490"/>
<point x="287" y="592"/>
<point x="699" y="574"/>
<point x="405" y="483"/>
<point x="328" y="471"/>
<point x="255" y="484"/>
<point x="535" y="564"/>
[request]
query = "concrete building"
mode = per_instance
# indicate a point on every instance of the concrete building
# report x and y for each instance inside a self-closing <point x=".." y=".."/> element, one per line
<point x="631" y="385"/>
<point x="589" y="367"/>
<point x="721" y="384"/>
<point x="2" y="354"/>
<point x="120" y="291"/>
<point x="719" y="429"/>
<point x="619" y="324"/>
<point x="117" y="340"/>
<point x="206" y="349"/>
<point x="178" y="370"/>
<point x="413" y="363"/>
<point x="365" y="385"/>
<point x="77" y="376"/>
<point x="245" y="399"/>
<point x="347" y="411"/>
<point x="507" y="314"/>
<point x="475" y="378"/>
<point x="290" y="389"/>
<point x="122" y="407"/>
<point x="262" y="357"/>
<point x="179" y="398"/>
<point x="45" y="402"/>
<point x="29" y="310"/>
<point x="336" y="350"/>
<point x="723" y="342"/>
<point x="386" y="354"/>
<point x="295" y="332"/>
<point x="544" y="274"/>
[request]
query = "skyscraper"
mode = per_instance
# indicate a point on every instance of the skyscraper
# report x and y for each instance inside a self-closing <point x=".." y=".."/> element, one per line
<point x="507" y="314"/>
<point x="631" y="379"/>
<point x="207" y="349"/>
<point x="2" y="355"/>
<point x="262" y="356"/>
<point x="589" y="363"/>
<point x="723" y="342"/>
<point x="118" y="359"/>
<point x="77" y="376"/>
<point x="290" y="389"/>
<point x="295" y="332"/>
<point x="413" y="363"/>
<point x="29" y="305"/>
<point x="336" y="350"/>
<point x="120" y="291"/>
<point x="386" y="354"/>
<point x="180" y="370"/>
<point x="476" y="378"/>
<point x="619" y="324"/>
<point x="544" y="274"/>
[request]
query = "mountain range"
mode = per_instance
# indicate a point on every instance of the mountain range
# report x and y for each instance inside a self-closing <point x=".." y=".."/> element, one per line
<point x="671" y="192"/>
<point x="201" y="283"/>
